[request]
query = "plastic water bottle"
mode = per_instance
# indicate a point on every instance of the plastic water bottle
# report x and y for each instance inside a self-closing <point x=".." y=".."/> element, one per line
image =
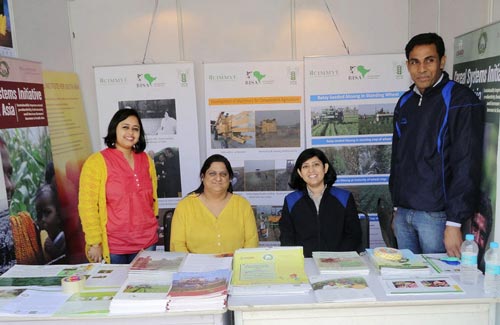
<point x="468" y="263"/>
<point x="492" y="270"/>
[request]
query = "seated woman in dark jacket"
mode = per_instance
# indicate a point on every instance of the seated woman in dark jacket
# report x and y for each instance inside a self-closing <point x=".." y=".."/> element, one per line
<point x="317" y="215"/>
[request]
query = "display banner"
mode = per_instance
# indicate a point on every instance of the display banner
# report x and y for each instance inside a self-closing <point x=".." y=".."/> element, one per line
<point x="31" y="227"/>
<point x="164" y="96"/>
<point x="349" y="106"/>
<point x="69" y="135"/>
<point x="254" y="117"/>
<point x="477" y="65"/>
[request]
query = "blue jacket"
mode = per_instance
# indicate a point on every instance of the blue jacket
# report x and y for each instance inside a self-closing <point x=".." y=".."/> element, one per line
<point x="335" y="227"/>
<point x="437" y="150"/>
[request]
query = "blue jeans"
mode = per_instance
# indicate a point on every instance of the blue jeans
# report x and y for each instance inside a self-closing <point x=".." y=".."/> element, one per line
<point x="127" y="258"/>
<point x="419" y="231"/>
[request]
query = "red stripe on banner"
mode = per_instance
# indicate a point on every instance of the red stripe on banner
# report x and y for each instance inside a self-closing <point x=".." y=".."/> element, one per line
<point x="22" y="105"/>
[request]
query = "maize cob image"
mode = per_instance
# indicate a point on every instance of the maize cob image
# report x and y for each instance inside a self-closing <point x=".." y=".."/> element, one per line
<point x="26" y="242"/>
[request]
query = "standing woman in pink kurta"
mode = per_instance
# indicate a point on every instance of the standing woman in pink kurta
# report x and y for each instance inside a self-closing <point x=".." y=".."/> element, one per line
<point x="117" y="199"/>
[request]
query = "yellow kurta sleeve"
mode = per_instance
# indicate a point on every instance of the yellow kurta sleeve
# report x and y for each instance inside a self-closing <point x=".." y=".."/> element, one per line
<point x="154" y="179"/>
<point x="92" y="203"/>
<point x="88" y="198"/>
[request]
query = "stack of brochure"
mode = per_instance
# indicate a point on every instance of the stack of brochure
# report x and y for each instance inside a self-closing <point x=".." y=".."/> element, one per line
<point x="405" y="264"/>
<point x="139" y="296"/>
<point x="194" y="291"/>
<point x="336" y="288"/>
<point x="340" y="263"/>
<point x="148" y="283"/>
<point x="270" y="271"/>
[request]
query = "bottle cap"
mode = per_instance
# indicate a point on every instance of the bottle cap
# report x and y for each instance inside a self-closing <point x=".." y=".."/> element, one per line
<point x="469" y="237"/>
<point x="493" y="244"/>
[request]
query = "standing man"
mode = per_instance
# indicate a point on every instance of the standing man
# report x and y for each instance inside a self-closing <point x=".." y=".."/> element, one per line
<point x="436" y="153"/>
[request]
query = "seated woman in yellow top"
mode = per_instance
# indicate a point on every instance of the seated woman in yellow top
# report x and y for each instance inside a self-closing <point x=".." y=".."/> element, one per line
<point x="211" y="219"/>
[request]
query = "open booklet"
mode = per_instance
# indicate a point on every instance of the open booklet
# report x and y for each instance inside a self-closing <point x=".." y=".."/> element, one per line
<point x="34" y="303"/>
<point x="442" y="264"/>
<point x="37" y="289"/>
<point x="97" y="275"/>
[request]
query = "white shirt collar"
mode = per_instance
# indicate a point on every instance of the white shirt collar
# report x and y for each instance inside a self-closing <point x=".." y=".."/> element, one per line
<point x="311" y="194"/>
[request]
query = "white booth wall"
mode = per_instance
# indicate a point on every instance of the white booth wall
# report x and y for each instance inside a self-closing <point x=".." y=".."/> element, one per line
<point x="77" y="35"/>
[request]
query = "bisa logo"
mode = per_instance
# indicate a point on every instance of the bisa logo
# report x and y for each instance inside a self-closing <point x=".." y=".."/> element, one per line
<point x="145" y="80"/>
<point x="148" y="80"/>
<point x="257" y="77"/>
<point x="357" y="72"/>
<point x="254" y="77"/>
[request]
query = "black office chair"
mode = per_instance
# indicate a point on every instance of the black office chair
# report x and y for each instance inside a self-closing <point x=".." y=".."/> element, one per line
<point x="365" y="231"/>
<point x="167" y="225"/>
<point x="385" y="215"/>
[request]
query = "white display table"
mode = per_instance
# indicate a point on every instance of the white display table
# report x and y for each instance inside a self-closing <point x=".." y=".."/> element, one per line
<point x="198" y="318"/>
<point x="443" y="309"/>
